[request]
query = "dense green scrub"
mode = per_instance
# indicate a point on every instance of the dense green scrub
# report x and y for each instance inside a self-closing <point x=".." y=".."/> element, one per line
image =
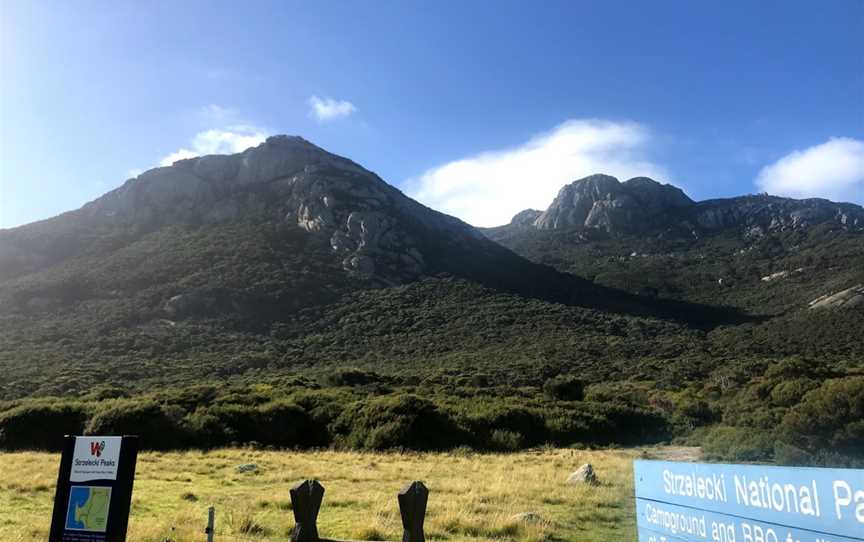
<point x="790" y="411"/>
<point x="720" y="269"/>
<point x="88" y="345"/>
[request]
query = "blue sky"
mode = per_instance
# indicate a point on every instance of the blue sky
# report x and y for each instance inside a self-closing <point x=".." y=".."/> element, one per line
<point x="477" y="108"/>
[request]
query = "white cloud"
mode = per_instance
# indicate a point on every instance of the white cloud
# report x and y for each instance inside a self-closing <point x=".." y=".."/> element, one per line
<point x="325" y="109"/>
<point x="218" y="141"/>
<point x="489" y="188"/>
<point x="833" y="170"/>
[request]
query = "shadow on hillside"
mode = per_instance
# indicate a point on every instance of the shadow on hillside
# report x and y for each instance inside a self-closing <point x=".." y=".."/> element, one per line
<point x="503" y="270"/>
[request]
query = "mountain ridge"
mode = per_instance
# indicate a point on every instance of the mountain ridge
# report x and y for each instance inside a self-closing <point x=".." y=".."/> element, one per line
<point x="228" y="290"/>
<point x="236" y="250"/>
<point x="640" y="204"/>
<point x="762" y="254"/>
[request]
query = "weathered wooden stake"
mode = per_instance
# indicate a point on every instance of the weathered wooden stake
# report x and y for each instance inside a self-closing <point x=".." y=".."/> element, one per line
<point x="412" y="506"/>
<point x="306" y="500"/>
<point x="211" y="516"/>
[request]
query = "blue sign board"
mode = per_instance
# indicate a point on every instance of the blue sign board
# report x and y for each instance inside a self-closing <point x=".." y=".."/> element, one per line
<point x="747" y="503"/>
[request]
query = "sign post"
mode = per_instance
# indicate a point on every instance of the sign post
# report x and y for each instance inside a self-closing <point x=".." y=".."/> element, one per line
<point x="697" y="502"/>
<point x="94" y="489"/>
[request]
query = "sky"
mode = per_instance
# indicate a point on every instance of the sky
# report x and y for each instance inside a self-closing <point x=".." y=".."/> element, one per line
<point x="476" y="108"/>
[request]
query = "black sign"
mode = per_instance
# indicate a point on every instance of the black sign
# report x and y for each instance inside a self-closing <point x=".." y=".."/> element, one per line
<point x="94" y="489"/>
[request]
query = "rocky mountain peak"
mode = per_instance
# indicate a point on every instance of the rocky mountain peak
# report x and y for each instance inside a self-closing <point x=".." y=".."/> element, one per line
<point x="194" y="188"/>
<point x="598" y="182"/>
<point x="643" y="205"/>
<point x="601" y="201"/>
<point x="650" y="192"/>
<point x="369" y="227"/>
<point x="526" y="217"/>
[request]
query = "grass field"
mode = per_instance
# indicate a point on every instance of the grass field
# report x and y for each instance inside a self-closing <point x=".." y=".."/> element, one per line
<point x="472" y="496"/>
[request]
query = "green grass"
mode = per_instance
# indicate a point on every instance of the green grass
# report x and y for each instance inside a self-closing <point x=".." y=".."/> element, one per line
<point x="472" y="496"/>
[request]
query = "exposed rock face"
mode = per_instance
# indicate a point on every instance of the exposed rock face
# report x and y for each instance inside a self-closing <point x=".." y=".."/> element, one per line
<point x="372" y="228"/>
<point x="600" y="201"/>
<point x="775" y="276"/>
<point x="526" y="217"/>
<point x="851" y="297"/>
<point x="759" y="215"/>
<point x="641" y="205"/>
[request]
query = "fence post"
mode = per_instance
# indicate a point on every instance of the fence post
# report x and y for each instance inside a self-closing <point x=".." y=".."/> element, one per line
<point x="412" y="506"/>
<point x="306" y="500"/>
<point x="211" y="513"/>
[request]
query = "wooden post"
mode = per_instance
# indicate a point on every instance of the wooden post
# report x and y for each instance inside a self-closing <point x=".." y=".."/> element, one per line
<point x="211" y="513"/>
<point x="412" y="506"/>
<point x="306" y="500"/>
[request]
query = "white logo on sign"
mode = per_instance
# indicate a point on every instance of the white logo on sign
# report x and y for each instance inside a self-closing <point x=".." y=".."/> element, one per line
<point x="95" y="458"/>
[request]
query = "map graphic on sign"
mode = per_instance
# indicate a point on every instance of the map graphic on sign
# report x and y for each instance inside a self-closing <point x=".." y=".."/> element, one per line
<point x="88" y="508"/>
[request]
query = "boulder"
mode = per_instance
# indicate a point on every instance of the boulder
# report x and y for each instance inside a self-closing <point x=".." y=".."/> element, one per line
<point x="526" y="517"/>
<point x="583" y="475"/>
<point x="851" y="297"/>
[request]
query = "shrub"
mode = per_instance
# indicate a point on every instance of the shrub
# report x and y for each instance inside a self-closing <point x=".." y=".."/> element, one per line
<point x="351" y="377"/>
<point x="279" y="423"/>
<point x="285" y="424"/>
<point x="158" y="427"/>
<point x="829" y="418"/>
<point x="564" y="388"/>
<point x="791" y="368"/>
<point x="506" y="441"/>
<point x="619" y="424"/>
<point x="617" y="392"/>
<point x="40" y="427"/>
<point x="789" y="454"/>
<point x="738" y="444"/>
<point x="790" y="392"/>
<point x="528" y="424"/>
<point x="566" y="429"/>
<point x="395" y="422"/>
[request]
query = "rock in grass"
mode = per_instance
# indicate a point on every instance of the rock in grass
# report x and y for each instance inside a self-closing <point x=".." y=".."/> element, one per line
<point x="247" y="467"/>
<point x="527" y="517"/>
<point x="583" y="475"/>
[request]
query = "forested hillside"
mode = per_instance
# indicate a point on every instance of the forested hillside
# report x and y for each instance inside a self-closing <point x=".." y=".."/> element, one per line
<point x="289" y="297"/>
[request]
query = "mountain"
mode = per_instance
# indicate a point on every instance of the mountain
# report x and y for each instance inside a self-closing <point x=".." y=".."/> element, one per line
<point x="238" y="298"/>
<point x="600" y="201"/>
<point x="644" y="206"/>
<point x="763" y="254"/>
<point x="235" y="250"/>
<point x="373" y="231"/>
<point x="313" y="223"/>
<point x="295" y="200"/>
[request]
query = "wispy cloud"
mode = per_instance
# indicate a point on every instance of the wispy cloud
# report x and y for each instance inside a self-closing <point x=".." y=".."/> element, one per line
<point x="218" y="114"/>
<point x="833" y="170"/>
<point x="489" y="188"/>
<point x="325" y="109"/>
<point x="218" y="141"/>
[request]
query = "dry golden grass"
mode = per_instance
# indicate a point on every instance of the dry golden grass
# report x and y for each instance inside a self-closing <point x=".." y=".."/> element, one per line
<point x="472" y="496"/>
